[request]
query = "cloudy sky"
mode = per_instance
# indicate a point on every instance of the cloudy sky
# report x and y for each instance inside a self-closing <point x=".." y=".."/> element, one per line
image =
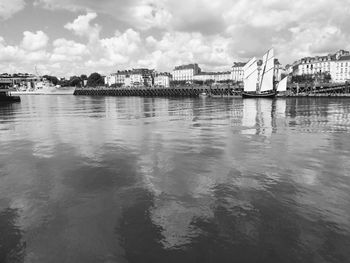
<point x="67" y="37"/>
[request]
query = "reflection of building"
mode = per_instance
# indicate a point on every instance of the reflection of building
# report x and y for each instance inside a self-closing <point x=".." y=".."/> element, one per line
<point x="162" y="79"/>
<point x="186" y="72"/>
<point x="337" y="65"/>
<point x="215" y="76"/>
<point x="237" y="71"/>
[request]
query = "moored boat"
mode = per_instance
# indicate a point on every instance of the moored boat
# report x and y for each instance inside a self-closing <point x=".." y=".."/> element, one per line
<point x="271" y="94"/>
<point x="259" y="83"/>
<point x="6" y="97"/>
<point x="42" y="86"/>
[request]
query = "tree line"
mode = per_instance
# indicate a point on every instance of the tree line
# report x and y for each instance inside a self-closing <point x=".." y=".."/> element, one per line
<point x="94" y="80"/>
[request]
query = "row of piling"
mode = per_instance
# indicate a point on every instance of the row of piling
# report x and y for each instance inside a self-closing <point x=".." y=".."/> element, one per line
<point x="160" y="92"/>
<point x="214" y="91"/>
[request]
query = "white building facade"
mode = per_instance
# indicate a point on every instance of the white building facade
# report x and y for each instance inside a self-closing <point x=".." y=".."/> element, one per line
<point x="185" y="72"/>
<point x="117" y="78"/>
<point x="340" y="69"/>
<point x="337" y="65"/>
<point x="237" y="71"/>
<point x="214" y="76"/>
<point x="162" y="80"/>
<point x="129" y="78"/>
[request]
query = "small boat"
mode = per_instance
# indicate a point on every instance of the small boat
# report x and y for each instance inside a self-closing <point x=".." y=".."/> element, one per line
<point x="6" y="97"/>
<point x="258" y="82"/>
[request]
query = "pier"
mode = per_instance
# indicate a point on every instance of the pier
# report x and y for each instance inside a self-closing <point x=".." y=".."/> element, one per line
<point x="185" y="91"/>
<point x="319" y="90"/>
<point x="294" y="90"/>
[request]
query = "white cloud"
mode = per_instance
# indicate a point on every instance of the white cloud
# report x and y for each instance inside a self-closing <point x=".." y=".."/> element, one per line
<point x="8" y="53"/>
<point x="69" y="47"/>
<point x="163" y="33"/>
<point x="81" y="26"/>
<point x="68" y="50"/>
<point x="212" y="53"/>
<point x="148" y="14"/>
<point x="10" y="7"/>
<point x="34" y="41"/>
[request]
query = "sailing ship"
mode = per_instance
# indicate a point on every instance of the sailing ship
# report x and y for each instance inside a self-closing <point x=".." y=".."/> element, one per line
<point x="282" y="87"/>
<point x="259" y="82"/>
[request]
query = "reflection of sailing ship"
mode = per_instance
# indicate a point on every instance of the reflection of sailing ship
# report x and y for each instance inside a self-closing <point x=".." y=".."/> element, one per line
<point x="261" y="85"/>
<point x="262" y="116"/>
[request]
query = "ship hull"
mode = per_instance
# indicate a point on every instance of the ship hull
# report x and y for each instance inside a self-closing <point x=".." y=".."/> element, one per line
<point x="10" y="99"/>
<point x="259" y="95"/>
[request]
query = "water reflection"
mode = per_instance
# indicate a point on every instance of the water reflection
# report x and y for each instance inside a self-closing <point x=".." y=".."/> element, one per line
<point x="12" y="245"/>
<point x="175" y="180"/>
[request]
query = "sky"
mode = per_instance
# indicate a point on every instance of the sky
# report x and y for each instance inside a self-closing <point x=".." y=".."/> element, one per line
<point x="73" y="37"/>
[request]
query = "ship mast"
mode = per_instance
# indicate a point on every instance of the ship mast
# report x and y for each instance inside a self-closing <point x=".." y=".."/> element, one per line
<point x="263" y="73"/>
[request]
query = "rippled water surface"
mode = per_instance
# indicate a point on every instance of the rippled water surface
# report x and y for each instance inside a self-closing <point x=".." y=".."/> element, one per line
<point x="104" y="179"/>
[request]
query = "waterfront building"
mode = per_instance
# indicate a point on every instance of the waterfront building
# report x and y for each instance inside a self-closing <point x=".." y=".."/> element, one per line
<point x="162" y="79"/>
<point x="337" y="65"/>
<point x="117" y="78"/>
<point x="237" y="71"/>
<point x="278" y="70"/>
<point x="340" y="69"/>
<point x="134" y="77"/>
<point x="213" y="76"/>
<point x="14" y="79"/>
<point x="186" y="72"/>
<point x="142" y="77"/>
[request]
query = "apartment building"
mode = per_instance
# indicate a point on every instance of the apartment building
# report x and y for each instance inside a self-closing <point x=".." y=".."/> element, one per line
<point x="162" y="79"/>
<point x="117" y="78"/>
<point x="186" y="72"/>
<point x="134" y="77"/>
<point x="214" y="76"/>
<point x="337" y="65"/>
<point x="237" y="73"/>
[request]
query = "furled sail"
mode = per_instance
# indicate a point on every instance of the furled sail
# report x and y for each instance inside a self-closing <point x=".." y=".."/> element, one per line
<point x="266" y="80"/>
<point x="282" y="85"/>
<point x="250" y="75"/>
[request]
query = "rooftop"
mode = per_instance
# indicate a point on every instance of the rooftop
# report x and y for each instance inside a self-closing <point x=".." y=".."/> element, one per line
<point x="239" y="64"/>
<point x="189" y="66"/>
<point x="347" y="57"/>
<point x="214" y="73"/>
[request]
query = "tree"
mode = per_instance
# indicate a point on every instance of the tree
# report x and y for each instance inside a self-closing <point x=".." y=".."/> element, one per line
<point x="75" y="81"/>
<point x="95" y="80"/>
<point x="83" y="77"/>
<point x="198" y="82"/>
<point x="52" y="79"/>
<point x="209" y="82"/>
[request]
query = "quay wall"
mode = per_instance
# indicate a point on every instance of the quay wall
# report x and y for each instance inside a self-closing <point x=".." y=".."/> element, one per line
<point x="224" y="91"/>
<point x="329" y="90"/>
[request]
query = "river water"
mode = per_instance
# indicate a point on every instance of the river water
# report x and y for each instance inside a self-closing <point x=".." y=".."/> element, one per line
<point x="112" y="179"/>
